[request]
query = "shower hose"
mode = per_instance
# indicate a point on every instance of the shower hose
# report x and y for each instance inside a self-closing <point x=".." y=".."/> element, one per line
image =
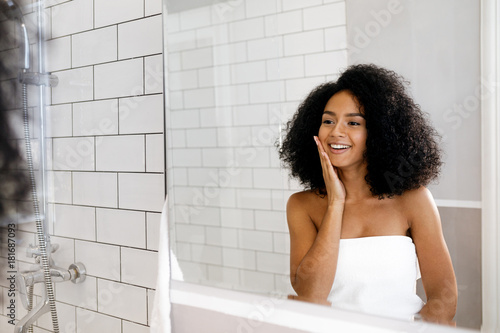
<point x="44" y="258"/>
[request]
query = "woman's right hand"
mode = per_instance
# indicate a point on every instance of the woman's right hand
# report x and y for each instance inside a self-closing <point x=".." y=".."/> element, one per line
<point x="334" y="187"/>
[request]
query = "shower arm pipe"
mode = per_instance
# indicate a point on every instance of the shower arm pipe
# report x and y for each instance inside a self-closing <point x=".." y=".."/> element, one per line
<point x="25" y="50"/>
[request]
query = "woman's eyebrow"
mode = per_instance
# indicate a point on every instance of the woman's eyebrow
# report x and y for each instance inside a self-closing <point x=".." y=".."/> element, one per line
<point x="347" y="115"/>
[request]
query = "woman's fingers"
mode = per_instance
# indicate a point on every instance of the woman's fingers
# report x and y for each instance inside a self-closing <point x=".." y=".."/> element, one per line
<point x="325" y="161"/>
<point x="329" y="174"/>
<point x="320" y="147"/>
<point x="321" y="150"/>
<point x="333" y="184"/>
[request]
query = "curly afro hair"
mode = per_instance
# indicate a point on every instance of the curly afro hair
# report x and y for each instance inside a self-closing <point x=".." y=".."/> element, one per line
<point x="402" y="151"/>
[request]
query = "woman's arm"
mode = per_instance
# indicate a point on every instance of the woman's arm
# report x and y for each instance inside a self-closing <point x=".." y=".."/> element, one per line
<point x="438" y="277"/>
<point x="313" y="254"/>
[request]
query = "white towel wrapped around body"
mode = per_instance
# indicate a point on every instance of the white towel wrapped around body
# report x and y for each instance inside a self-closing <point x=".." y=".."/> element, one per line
<point x="377" y="275"/>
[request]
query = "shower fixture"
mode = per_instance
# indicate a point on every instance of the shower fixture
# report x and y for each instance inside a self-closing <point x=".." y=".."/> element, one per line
<point x="12" y="11"/>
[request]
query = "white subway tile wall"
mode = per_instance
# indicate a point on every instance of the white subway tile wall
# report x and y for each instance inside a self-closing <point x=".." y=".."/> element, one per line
<point x="106" y="159"/>
<point x="120" y="153"/>
<point x="131" y="41"/>
<point x="73" y="153"/>
<point x="143" y="114"/>
<point x="153" y="76"/>
<point x="139" y="267"/>
<point x="131" y="223"/>
<point x="95" y="189"/>
<point x="74" y="85"/>
<point x="152" y="230"/>
<point x="94" y="47"/>
<point x="58" y="54"/>
<point x="72" y="17"/>
<point x="119" y="79"/>
<point x="100" y="260"/>
<point x="83" y="295"/>
<point x="60" y="120"/>
<point x="109" y="12"/>
<point x="122" y="300"/>
<point x="76" y="222"/>
<point x="237" y="72"/>
<point x="88" y="321"/>
<point x="95" y="117"/>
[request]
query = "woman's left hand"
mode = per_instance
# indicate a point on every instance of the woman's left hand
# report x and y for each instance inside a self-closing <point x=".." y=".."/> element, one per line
<point x="334" y="186"/>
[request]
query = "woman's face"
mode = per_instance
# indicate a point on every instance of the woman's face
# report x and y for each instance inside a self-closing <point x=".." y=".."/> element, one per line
<point x="343" y="131"/>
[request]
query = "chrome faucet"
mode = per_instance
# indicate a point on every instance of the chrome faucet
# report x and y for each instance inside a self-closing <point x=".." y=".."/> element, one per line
<point x="76" y="273"/>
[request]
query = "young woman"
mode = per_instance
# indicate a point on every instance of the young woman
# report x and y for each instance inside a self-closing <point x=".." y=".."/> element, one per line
<point x="367" y="226"/>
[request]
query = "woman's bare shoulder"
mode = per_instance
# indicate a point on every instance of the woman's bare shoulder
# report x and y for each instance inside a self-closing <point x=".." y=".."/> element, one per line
<point x="300" y="211"/>
<point x="418" y="203"/>
<point x="306" y="205"/>
<point x="303" y="198"/>
<point x="418" y="196"/>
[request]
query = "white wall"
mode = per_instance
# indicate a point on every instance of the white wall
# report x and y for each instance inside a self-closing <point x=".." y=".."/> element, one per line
<point x="435" y="46"/>
<point x="237" y="70"/>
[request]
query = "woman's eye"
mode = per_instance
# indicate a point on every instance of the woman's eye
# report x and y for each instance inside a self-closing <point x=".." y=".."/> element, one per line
<point x="327" y="121"/>
<point x="353" y="123"/>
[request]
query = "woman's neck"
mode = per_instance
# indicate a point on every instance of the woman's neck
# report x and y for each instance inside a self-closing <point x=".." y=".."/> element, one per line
<point x="355" y="184"/>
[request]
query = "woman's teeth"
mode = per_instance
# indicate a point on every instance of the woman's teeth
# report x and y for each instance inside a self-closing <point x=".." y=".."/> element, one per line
<point x="339" y="146"/>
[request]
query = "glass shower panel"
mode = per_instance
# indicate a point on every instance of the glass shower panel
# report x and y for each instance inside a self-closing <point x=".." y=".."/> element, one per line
<point x="26" y="243"/>
<point x="105" y="179"/>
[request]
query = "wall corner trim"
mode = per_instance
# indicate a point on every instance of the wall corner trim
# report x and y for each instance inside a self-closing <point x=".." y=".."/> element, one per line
<point x="490" y="163"/>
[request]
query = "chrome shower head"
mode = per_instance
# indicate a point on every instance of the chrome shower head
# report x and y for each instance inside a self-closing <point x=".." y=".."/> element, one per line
<point x="12" y="11"/>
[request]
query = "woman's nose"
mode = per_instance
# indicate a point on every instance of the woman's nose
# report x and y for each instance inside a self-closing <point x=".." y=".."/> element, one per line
<point x="338" y="130"/>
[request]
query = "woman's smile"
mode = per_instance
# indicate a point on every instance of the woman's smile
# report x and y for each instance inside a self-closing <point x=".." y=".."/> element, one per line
<point x="337" y="148"/>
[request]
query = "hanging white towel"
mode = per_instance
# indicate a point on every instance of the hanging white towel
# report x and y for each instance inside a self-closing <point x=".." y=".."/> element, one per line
<point x="160" y="318"/>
